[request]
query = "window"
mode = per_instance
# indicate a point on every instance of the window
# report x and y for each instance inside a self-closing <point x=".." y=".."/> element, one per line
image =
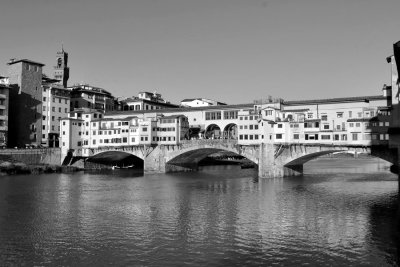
<point x="144" y="129"/>
<point x="213" y="115"/>
<point x="256" y="127"/>
<point x="268" y="112"/>
<point x="278" y="136"/>
<point x="251" y="127"/>
<point x="59" y="110"/>
<point x="358" y="124"/>
<point x="351" y="124"/>
<point x="336" y="137"/>
<point x="241" y="137"/>
<point x="350" y="114"/>
<point x="53" y="109"/>
<point x="326" y="126"/>
<point x="325" y="137"/>
<point x="339" y="114"/>
<point x="296" y="136"/>
<point x="44" y="118"/>
<point x="309" y="115"/>
<point x="52" y="118"/>
<point x="79" y="143"/>
<point x="44" y="98"/>
<point x="354" y="136"/>
<point x="44" y="108"/>
<point x="280" y="125"/>
<point x="386" y="123"/>
<point x="44" y="127"/>
<point x="324" y="117"/>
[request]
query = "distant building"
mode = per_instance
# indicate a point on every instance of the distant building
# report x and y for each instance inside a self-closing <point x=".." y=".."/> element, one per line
<point x="25" y="102"/>
<point x="90" y="97"/>
<point x="61" y="69"/>
<point x="56" y="105"/>
<point x="200" y="102"/>
<point x="4" y="103"/>
<point x="145" y="101"/>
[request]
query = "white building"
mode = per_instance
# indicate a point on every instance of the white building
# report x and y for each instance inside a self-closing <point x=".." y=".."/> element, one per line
<point x="56" y="105"/>
<point x="87" y="129"/>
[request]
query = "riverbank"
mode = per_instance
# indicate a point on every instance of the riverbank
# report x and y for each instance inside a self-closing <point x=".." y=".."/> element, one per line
<point x="10" y="168"/>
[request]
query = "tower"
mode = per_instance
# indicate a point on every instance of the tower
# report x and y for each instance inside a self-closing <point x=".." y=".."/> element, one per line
<point x="61" y="69"/>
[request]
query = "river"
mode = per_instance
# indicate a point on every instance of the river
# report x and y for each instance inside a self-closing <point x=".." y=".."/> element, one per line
<point x="341" y="212"/>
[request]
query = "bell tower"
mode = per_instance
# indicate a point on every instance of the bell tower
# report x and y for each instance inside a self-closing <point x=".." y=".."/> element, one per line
<point x="61" y="69"/>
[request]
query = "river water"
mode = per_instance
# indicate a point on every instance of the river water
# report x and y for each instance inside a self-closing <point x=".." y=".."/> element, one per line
<point x="342" y="212"/>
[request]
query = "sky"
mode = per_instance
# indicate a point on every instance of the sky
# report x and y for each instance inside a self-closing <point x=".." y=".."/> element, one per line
<point x="233" y="51"/>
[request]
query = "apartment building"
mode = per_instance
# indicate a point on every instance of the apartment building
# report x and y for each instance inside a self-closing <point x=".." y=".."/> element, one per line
<point x="56" y="105"/>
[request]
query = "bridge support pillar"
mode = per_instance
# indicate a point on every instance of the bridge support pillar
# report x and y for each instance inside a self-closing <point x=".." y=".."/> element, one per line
<point x="155" y="161"/>
<point x="270" y="167"/>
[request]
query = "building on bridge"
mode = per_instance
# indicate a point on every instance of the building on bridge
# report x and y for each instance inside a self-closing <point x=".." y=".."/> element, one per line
<point x="355" y="120"/>
<point x="88" y="129"/>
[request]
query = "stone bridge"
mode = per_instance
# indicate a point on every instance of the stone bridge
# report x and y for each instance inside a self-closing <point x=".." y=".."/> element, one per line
<point x="273" y="160"/>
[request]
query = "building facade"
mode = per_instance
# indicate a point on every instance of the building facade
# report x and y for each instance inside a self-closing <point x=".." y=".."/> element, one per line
<point x="90" y="97"/>
<point x="56" y="105"/>
<point x="84" y="130"/>
<point x="4" y="107"/>
<point x="25" y="109"/>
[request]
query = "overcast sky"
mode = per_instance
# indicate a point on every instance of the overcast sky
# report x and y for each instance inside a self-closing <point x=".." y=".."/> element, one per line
<point x="232" y="51"/>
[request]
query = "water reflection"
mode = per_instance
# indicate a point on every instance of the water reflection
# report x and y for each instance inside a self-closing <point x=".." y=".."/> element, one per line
<point x="221" y="216"/>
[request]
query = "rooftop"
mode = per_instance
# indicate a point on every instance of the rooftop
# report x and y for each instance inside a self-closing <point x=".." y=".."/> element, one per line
<point x="14" y="61"/>
<point x="184" y="109"/>
<point x="335" y="100"/>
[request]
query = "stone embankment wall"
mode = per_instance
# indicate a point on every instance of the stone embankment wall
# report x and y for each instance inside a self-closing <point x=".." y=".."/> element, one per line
<point x="33" y="156"/>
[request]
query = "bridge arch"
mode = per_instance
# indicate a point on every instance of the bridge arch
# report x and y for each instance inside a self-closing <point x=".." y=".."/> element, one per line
<point x="188" y="157"/>
<point x="298" y="159"/>
<point x="213" y="131"/>
<point x="116" y="158"/>
<point x="230" y="131"/>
